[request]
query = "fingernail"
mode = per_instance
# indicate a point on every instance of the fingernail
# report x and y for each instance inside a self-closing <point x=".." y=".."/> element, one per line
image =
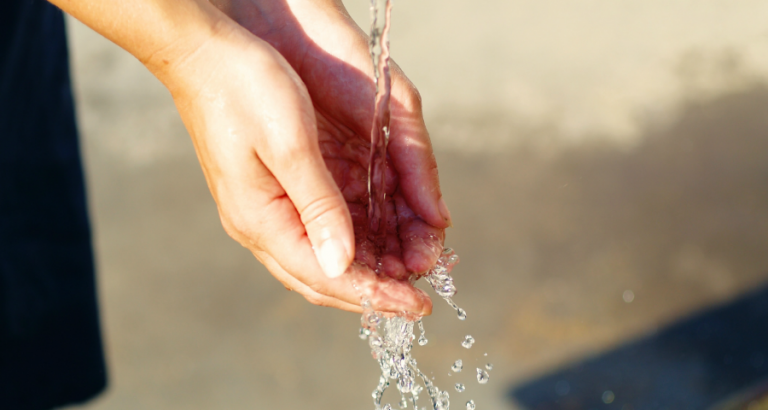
<point x="446" y="214"/>
<point x="333" y="258"/>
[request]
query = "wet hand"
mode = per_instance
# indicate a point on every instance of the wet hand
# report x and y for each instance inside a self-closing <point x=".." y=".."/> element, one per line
<point x="266" y="148"/>
<point x="330" y="54"/>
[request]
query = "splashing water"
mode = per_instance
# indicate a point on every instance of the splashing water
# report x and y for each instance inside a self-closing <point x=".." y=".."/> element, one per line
<point x="391" y="338"/>
<point x="457" y="366"/>
<point x="471" y="405"/>
<point x="468" y="341"/>
<point x="482" y="376"/>
<point x="422" y="339"/>
<point x="391" y="342"/>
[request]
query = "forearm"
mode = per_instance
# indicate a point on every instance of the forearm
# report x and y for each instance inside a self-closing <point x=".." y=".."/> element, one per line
<point x="275" y="19"/>
<point x="160" y="33"/>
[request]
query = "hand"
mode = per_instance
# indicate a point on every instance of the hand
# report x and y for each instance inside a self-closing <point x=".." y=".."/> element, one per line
<point x="256" y="132"/>
<point x="258" y="129"/>
<point x="330" y="54"/>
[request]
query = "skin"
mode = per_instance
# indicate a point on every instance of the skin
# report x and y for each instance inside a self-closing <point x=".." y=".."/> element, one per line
<point x="277" y="96"/>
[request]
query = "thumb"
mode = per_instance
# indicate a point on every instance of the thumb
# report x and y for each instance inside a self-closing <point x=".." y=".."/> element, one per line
<point x="296" y="162"/>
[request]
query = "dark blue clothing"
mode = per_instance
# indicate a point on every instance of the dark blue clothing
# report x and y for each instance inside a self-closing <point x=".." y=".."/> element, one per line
<point x="50" y="345"/>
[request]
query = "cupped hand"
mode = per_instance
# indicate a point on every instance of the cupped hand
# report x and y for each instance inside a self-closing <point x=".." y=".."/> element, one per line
<point x="281" y="123"/>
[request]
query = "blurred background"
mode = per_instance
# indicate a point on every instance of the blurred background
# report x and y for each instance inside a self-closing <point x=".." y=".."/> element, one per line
<point x="606" y="165"/>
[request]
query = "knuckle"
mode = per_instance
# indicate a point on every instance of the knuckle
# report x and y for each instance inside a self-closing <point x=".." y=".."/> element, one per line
<point x="412" y="100"/>
<point x="315" y="211"/>
<point x="230" y="227"/>
<point x="318" y="287"/>
<point x="292" y="151"/>
<point x="315" y="299"/>
<point x="240" y="229"/>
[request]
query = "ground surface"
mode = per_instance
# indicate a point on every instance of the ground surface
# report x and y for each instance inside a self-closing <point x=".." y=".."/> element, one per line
<point x="587" y="148"/>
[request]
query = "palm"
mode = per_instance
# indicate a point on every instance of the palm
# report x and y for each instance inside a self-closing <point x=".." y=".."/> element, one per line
<point x="342" y="92"/>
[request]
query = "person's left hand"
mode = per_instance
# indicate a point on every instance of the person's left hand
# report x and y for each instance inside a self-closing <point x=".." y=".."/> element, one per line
<point x="330" y="54"/>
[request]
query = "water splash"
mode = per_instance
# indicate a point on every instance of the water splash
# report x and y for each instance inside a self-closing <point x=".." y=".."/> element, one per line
<point x="459" y="387"/>
<point x="482" y="376"/>
<point x="471" y="405"/>
<point x="422" y="338"/>
<point x="441" y="281"/>
<point x="468" y="341"/>
<point x="457" y="366"/>
<point x="391" y="338"/>
<point x="391" y="342"/>
<point x="364" y="333"/>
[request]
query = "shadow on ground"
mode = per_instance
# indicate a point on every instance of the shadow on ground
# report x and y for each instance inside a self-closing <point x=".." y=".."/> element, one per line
<point x="685" y="216"/>
<point x="693" y="364"/>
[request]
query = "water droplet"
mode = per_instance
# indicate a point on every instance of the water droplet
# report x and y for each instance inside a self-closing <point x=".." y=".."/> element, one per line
<point x="442" y="402"/>
<point x="459" y="387"/>
<point x="468" y="341"/>
<point x="482" y="376"/>
<point x="403" y="402"/>
<point x="371" y="319"/>
<point x="422" y="339"/>
<point x="471" y="405"/>
<point x="608" y="397"/>
<point x="461" y="313"/>
<point x="489" y="366"/>
<point x="485" y="354"/>
<point x="376" y="342"/>
<point x="364" y="333"/>
<point x="457" y="366"/>
<point x="387" y="407"/>
<point x="405" y="382"/>
<point x="628" y="296"/>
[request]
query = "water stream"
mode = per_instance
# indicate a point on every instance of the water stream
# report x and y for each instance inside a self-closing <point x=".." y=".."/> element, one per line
<point x="391" y="338"/>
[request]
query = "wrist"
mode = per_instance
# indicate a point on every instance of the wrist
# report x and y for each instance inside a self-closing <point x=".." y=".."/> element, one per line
<point x="176" y="58"/>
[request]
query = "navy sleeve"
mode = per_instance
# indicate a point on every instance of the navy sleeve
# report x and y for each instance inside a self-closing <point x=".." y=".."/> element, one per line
<point x="50" y="345"/>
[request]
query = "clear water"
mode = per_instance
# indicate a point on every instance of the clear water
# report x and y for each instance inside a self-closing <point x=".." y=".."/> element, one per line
<point x="468" y="341"/>
<point x="391" y="342"/>
<point x="457" y="366"/>
<point x="379" y="48"/>
<point x="422" y="338"/>
<point x="482" y="376"/>
<point x="391" y="338"/>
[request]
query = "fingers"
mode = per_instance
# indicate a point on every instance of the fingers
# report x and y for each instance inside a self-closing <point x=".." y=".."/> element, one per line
<point x="267" y="222"/>
<point x="411" y="152"/>
<point x="293" y="284"/>
<point x="422" y="243"/>
<point x="292" y="154"/>
<point x="346" y="292"/>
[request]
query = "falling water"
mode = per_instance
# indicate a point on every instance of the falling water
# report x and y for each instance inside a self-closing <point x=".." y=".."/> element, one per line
<point x="379" y="47"/>
<point x="391" y="343"/>
<point x="391" y="339"/>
